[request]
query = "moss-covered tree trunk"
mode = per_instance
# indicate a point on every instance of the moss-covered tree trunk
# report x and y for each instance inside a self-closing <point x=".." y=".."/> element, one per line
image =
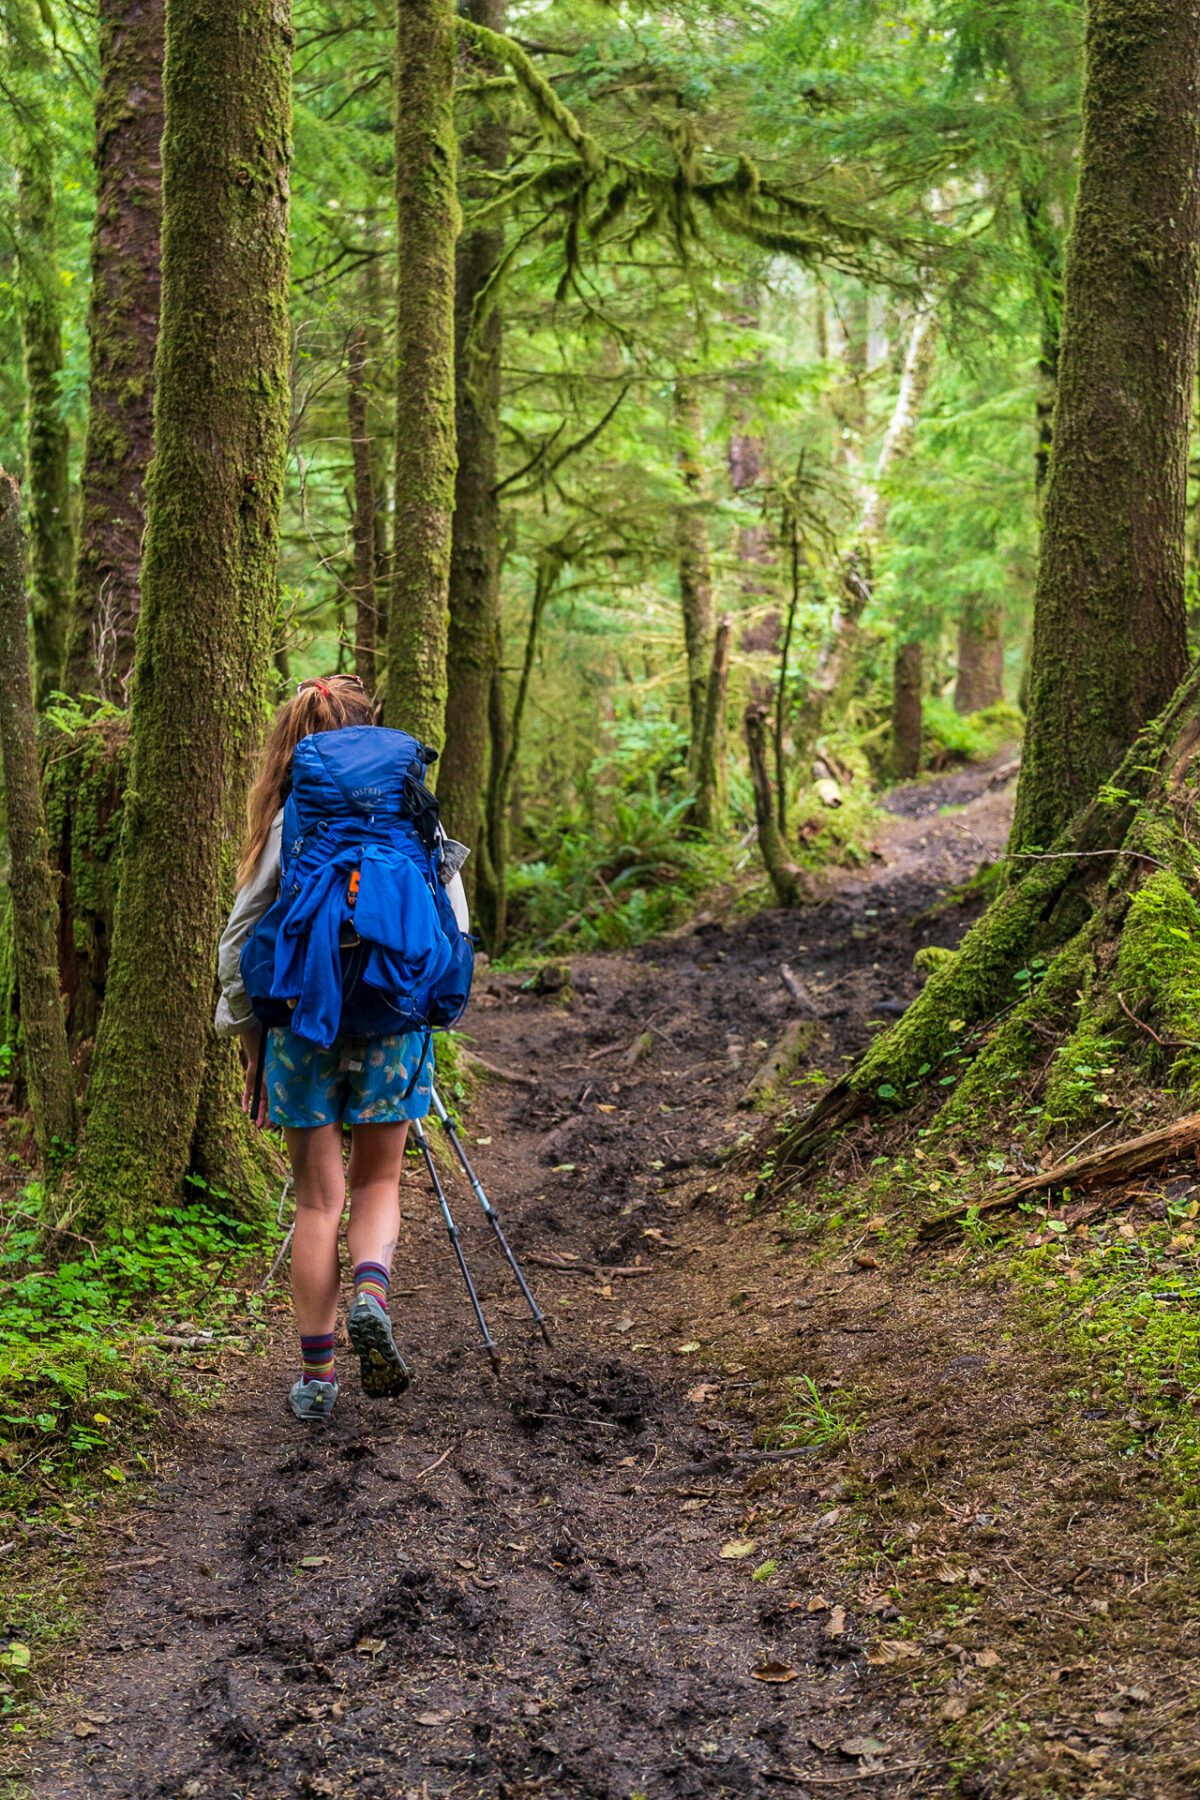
<point x="856" y="572"/>
<point x="1109" y="630"/>
<point x="366" y="605"/>
<point x="979" y="677"/>
<point x="47" y="441"/>
<point x="785" y="878"/>
<point x="693" y="560"/>
<point x="122" y="331"/>
<point x="34" y="897"/>
<point x="475" y="542"/>
<point x="427" y="219"/>
<point x="708" y="810"/>
<point x="208" y="583"/>
<point x="907" y="678"/>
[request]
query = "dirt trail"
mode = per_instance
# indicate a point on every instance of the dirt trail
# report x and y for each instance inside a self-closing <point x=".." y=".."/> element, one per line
<point x="517" y="1587"/>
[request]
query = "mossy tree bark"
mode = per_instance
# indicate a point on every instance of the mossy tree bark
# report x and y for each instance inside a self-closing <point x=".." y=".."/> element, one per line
<point x="979" y="679"/>
<point x="475" y="541"/>
<point x="907" y="678"/>
<point x="122" y="331"/>
<point x="366" y="604"/>
<point x="427" y="220"/>
<point x="208" y="584"/>
<point x="693" y="560"/>
<point x="48" y="443"/>
<point x="856" y="572"/>
<point x="1094" y="953"/>
<point x="709" y="806"/>
<point x="1109" y="631"/>
<point x="785" y="877"/>
<point x="34" y="896"/>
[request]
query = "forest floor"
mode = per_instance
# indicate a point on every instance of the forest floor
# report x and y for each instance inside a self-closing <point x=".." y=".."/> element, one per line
<point x="583" y="1578"/>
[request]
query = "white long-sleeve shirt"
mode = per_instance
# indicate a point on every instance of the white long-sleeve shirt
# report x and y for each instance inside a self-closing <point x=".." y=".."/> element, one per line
<point x="234" y="1013"/>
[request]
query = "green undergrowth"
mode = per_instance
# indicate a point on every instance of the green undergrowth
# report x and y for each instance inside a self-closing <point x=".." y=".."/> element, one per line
<point x="953" y="737"/>
<point x="105" y="1345"/>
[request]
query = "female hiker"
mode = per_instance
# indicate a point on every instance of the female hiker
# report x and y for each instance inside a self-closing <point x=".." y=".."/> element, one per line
<point x="318" y="1083"/>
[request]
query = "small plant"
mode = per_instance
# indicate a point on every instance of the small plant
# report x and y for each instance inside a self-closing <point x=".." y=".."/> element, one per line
<point x="810" y="1420"/>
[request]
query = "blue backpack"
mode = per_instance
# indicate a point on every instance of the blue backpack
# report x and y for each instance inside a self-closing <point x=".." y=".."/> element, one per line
<point x="362" y="940"/>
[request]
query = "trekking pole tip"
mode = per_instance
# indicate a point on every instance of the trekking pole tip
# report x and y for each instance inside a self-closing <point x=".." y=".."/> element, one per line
<point x="545" y="1331"/>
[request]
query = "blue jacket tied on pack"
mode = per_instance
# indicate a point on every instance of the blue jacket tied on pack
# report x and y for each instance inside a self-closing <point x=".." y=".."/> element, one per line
<point x="362" y="940"/>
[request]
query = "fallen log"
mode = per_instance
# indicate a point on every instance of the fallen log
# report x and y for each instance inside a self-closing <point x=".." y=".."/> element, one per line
<point x="1133" y="1157"/>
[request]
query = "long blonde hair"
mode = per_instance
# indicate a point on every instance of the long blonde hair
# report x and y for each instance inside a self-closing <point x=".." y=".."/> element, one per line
<point x="326" y="704"/>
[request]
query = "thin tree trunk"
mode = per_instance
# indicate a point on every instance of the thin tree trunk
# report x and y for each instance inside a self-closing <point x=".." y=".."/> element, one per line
<point x="506" y="748"/>
<point x="781" y="686"/>
<point x="980" y="677"/>
<point x="856" y="571"/>
<point x="48" y="444"/>
<point x="475" y="542"/>
<point x="208" y="583"/>
<point x="34" y="892"/>
<point x="785" y="877"/>
<point x="907" y="675"/>
<point x="366" y="611"/>
<point x="1109" y="635"/>
<point x="708" y="811"/>
<point x="427" y="220"/>
<point x="694" y="562"/>
<point x="491" y="897"/>
<point x="122" y="331"/>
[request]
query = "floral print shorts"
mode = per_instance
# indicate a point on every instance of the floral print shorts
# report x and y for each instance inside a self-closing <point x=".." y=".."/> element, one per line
<point x="359" y="1081"/>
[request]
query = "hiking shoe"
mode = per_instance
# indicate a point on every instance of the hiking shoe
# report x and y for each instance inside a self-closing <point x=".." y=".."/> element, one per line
<point x="384" y="1374"/>
<point x="311" y="1400"/>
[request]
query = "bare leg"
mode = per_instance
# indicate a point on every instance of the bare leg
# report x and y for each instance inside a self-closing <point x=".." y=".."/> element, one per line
<point x="376" y="1160"/>
<point x="320" y="1187"/>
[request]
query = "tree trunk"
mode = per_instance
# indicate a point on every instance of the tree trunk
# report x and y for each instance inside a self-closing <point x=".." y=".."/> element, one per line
<point x="491" y="894"/>
<point x="475" y="541"/>
<point x="427" y="220"/>
<point x="47" y="438"/>
<point x="366" y="610"/>
<point x="785" y="877"/>
<point x="122" y="330"/>
<point x="34" y="896"/>
<point x="708" y="811"/>
<point x="980" y="677"/>
<point x="1109" y="629"/>
<point x="856" y="571"/>
<point x="694" y="563"/>
<point x="907" y="676"/>
<point x="506" y="748"/>
<point x="208" y="583"/>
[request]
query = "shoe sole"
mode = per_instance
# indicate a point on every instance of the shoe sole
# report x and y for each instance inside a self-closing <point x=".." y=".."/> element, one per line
<point x="384" y="1372"/>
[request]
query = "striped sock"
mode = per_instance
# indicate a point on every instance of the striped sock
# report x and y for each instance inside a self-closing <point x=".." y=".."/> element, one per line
<point x="371" y="1278"/>
<point x="317" y="1356"/>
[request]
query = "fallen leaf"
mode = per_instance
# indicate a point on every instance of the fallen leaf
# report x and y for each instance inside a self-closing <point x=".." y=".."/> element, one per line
<point x="865" y="1259"/>
<point x="486" y="1140"/>
<point x="1139" y="1695"/>
<point x="877" y="1603"/>
<point x="84" y="1728"/>
<point x="878" y="1223"/>
<point x="15" y="1655"/>
<point x="955" y="1707"/>
<point x="314" y="1562"/>
<point x="605" y="1106"/>
<point x="862" y="1746"/>
<point x="818" y="1603"/>
<point x="688" y="1349"/>
<point x="836" y="1622"/>
<point x="1109" y="1719"/>
<point x="369" y="1646"/>
<point x="773" y="1671"/>
<point x="987" y="1659"/>
<point x="433" y="1718"/>
<point x="950" y="1575"/>
<point x="623" y="1325"/>
<point x="704" y="1390"/>
<point x="893" y="1650"/>
<point x="736" y="1548"/>
<point x="563" y="1169"/>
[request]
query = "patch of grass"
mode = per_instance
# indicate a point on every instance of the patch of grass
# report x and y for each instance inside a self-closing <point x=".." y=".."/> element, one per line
<point x="810" y="1420"/>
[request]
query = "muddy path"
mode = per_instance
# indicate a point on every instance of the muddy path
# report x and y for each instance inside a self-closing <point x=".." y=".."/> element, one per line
<point x="535" y="1585"/>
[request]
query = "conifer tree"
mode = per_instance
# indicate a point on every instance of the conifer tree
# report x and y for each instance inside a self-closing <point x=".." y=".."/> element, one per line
<point x="208" y="583"/>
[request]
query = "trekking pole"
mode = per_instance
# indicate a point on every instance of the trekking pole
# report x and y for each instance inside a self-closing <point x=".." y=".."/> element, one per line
<point x="490" y="1214"/>
<point x="452" y="1228"/>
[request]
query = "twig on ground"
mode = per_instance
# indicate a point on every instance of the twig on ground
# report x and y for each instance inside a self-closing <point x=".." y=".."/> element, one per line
<point x="434" y="1465"/>
<point x="579" y="1268"/>
<point x="1164" y="1043"/>
<point x="1079" y="855"/>
<point x="512" y="1076"/>
<point x="279" y="1256"/>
